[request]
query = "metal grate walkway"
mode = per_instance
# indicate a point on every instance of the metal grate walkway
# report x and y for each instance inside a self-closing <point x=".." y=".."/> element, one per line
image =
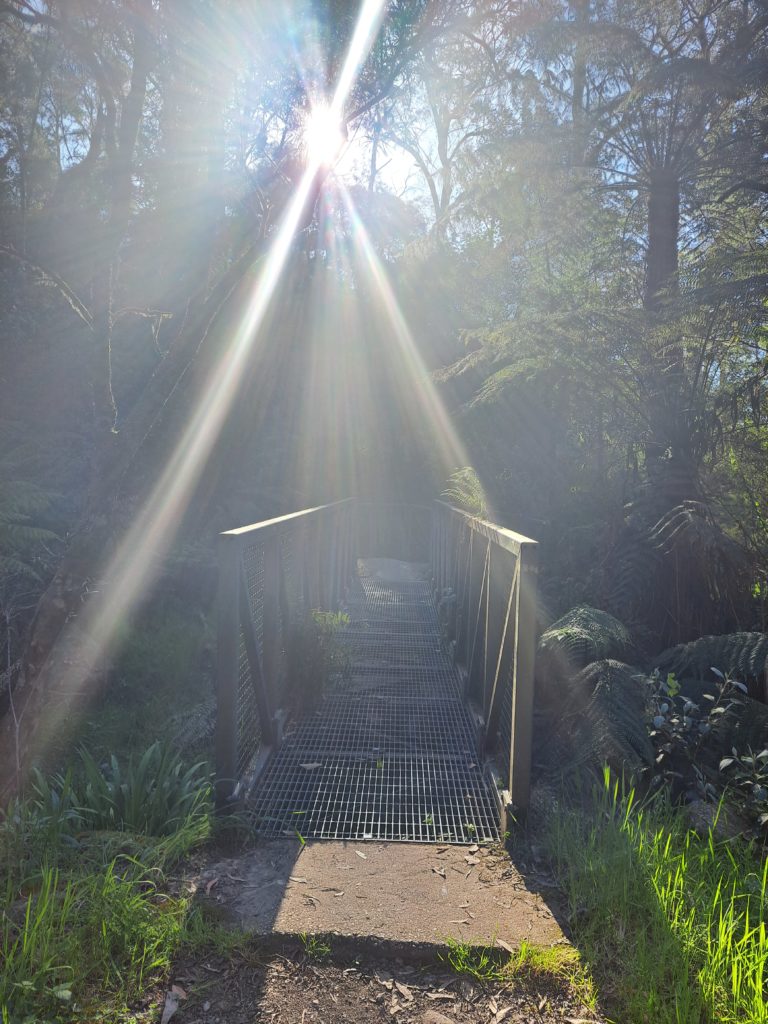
<point x="391" y="754"/>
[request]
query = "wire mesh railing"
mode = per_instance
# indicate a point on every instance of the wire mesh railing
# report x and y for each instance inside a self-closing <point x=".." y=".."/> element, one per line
<point x="485" y="579"/>
<point x="271" y="575"/>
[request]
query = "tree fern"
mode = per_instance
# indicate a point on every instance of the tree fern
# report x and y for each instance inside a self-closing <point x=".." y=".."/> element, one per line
<point x="741" y="655"/>
<point x="581" y="636"/>
<point x="603" y="720"/>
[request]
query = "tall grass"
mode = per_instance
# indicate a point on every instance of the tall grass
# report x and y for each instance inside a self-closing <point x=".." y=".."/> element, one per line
<point x="85" y="924"/>
<point x="672" y="924"/>
<point x="89" y="937"/>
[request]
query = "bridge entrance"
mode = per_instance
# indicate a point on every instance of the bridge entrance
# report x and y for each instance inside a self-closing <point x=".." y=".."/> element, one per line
<point x="426" y="738"/>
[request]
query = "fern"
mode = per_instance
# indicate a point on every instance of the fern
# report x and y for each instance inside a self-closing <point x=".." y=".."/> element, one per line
<point x="465" y="491"/>
<point x="603" y="720"/>
<point x="194" y="727"/>
<point x="740" y="655"/>
<point x="581" y="636"/>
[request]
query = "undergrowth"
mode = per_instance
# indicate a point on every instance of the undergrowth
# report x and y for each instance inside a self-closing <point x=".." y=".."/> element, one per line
<point x="88" y="920"/>
<point x="671" y="924"/>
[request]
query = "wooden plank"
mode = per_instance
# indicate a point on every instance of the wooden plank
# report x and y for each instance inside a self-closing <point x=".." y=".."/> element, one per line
<point x="280" y="521"/>
<point x="500" y="535"/>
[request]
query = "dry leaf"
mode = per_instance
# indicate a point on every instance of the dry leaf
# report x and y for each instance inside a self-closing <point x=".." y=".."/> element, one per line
<point x="472" y="860"/>
<point x="170" y="1007"/>
<point x="339" y="893"/>
<point x="361" y="854"/>
<point x="439" y="871"/>
<point x="177" y="990"/>
<point x="505" y="945"/>
<point x="503" y="1013"/>
<point x="296" y="878"/>
<point x="312" y="765"/>
<point x="210" y="885"/>
<point x="440" y="995"/>
<point x="460" y="920"/>
<point x="404" y="991"/>
<point x="542" y="1003"/>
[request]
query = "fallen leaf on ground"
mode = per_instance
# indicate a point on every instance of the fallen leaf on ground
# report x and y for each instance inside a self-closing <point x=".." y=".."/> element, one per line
<point x="403" y="990"/>
<point x="439" y="871"/>
<point x="503" y="1013"/>
<point x="170" y="1007"/>
<point x="339" y="893"/>
<point x="177" y="990"/>
<point x="460" y="920"/>
<point x="361" y="854"/>
<point x="296" y="878"/>
<point x="210" y="885"/>
<point x="505" y="945"/>
<point x="441" y="995"/>
<point x="542" y="1003"/>
<point x="472" y="860"/>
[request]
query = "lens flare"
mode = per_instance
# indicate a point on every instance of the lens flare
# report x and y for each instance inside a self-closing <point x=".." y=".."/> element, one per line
<point x="153" y="531"/>
<point x="433" y="414"/>
<point x="324" y="136"/>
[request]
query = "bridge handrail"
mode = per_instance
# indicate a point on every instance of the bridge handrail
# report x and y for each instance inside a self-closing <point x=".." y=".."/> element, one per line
<point x="271" y="575"/>
<point x="486" y="581"/>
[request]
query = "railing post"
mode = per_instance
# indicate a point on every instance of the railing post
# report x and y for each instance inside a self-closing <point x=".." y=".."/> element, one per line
<point x="228" y="657"/>
<point x="522" y="693"/>
<point x="272" y="638"/>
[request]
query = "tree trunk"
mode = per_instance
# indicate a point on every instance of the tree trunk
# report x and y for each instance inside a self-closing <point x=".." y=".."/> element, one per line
<point x="661" y="262"/>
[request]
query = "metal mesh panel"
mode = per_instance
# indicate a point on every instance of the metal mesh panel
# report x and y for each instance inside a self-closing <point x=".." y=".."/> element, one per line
<point x="253" y="567"/>
<point x="391" y="753"/>
<point x="248" y="722"/>
<point x="418" y="799"/>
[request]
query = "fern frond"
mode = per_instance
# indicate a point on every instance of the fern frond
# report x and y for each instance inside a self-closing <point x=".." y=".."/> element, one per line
<point x="740" y="655"/>
<point x="604" y="720"/>
<point x="195" y="726"/>
<point x="465" y="491"/>
<point x="583" y="635"/>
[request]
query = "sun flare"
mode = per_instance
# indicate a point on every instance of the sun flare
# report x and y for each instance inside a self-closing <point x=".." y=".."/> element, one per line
<point x="324" y="135"/>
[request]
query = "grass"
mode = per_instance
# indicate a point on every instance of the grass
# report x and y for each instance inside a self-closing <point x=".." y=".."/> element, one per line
<point x="69" y="942"/>
<point x="87" y="923"/>
<point x="672" y="925"/>
<point x="316" y="949"/>
<point x="491" y="965"/>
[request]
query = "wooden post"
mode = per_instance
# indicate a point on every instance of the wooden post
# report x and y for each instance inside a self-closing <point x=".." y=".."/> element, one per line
<point x="228" y="657"/>
<point x="522" y="692"/>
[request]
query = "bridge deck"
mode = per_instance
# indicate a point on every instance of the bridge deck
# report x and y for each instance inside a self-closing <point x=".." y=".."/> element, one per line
<point x="391" y="753"/>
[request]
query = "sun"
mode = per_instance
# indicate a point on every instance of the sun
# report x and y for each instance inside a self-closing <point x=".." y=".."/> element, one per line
<point x="324" y="135"/>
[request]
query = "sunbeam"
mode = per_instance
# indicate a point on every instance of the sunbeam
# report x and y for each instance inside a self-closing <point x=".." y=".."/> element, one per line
<point x="434" y="415"/>
<point x="154" y="528"/>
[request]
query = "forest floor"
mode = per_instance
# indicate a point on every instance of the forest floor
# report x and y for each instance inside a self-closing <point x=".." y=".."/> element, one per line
<point x="352" y="933"/>
<point x="305" y="987"/>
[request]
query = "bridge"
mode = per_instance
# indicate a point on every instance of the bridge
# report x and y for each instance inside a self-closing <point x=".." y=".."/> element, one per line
<point x="426" y="734"/>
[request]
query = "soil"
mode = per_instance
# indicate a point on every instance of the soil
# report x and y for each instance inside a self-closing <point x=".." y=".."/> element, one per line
<point x="293" y="988"/>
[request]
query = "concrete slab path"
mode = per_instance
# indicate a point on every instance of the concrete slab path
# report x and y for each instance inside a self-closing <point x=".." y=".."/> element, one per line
<point x="397" y="892"/>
